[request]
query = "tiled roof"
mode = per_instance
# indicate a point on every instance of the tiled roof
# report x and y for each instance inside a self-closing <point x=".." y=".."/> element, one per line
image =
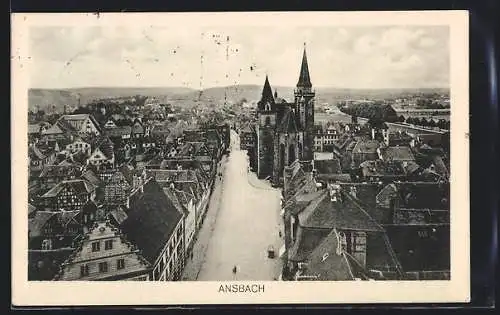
<point x="341" y="178"/>
<point x="325" y="264"/>
<point x="378" y="255"/>
<point x="31" y="208"/>
<point x="307" y="239"/>
<point x="327" y="166"/>
<point x="78" y="185"/>
<point x="344" y="215"/>
<point x="137" y="128"/>
<point x="287" y="123"/>
<point x="118" y="214"/>
<point x="36" y="224"/>
<point x="33" y="128"/>
<point x="91" y="177"/>
<point x="401" y="153"/>
<point x="105" y="145"/>
<point x="119" y="131"/>
<point x="59" y="171"/>
<point x="152" y="218"/>
<point x="417" y="195"/>
<point x="173" y="196"/>
<point x="366" y="146"/>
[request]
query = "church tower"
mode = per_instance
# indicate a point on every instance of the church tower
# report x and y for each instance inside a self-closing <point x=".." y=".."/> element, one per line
<point x="266" y="115"/>
<point x="304" y="110"/>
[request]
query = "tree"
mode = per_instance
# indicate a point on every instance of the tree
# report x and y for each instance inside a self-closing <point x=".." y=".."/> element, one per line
<point x="401" y="118"/>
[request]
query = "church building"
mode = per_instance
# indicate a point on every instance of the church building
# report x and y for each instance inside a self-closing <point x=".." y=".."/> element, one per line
<point x="285" y="131"/>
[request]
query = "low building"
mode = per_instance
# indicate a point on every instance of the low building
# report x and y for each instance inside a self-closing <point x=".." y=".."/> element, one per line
<point x="104" y="254"/>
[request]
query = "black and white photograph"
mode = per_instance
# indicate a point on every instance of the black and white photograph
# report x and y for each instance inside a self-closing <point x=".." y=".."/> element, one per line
<point x="212" y="148"/>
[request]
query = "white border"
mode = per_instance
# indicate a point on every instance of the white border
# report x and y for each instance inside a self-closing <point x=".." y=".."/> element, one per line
<point x="140" y="293"/>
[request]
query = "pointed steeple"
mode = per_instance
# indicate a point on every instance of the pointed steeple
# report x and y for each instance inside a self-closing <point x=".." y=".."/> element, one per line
<point x="267" y="93"/>
<point x="304" y="79"/>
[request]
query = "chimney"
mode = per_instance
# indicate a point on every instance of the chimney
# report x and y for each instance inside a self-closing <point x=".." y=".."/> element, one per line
<point x="335" y="194"/>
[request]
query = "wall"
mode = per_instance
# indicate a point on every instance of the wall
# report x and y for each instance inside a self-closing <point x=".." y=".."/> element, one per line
<point x="85" y="256"/>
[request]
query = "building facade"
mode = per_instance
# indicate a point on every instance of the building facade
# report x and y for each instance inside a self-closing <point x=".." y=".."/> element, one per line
<point x="103" y="254"/>
<point x="285" y="131"/>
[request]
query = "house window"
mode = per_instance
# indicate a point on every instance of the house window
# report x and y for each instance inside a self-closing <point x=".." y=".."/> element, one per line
<point x="47" y="244"/>
<point x="423" y="234"/>
<point x="96" y="246"/>
<point x="103" y="267"/>
<point x="108" y="244"/>
<point x="120" y="263"/>
<point x="84" y="270"/>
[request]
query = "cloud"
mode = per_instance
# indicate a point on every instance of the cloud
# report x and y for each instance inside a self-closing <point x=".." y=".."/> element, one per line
<point x="355" y="57"/>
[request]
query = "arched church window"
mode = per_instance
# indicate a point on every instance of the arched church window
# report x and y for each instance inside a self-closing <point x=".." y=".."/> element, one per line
<point x="268" y="106"/>
<point x="291" y="154"/>
<point x="268" y="121"/>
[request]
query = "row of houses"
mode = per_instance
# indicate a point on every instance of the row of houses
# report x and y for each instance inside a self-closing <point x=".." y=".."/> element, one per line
<point x="130" y="221"/>
<point x="375" y="207"/>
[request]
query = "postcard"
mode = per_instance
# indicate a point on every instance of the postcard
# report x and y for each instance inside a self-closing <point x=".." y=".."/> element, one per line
<point x="240" y="158"/>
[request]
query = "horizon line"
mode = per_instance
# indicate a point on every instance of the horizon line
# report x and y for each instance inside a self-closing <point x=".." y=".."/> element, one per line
<point x="235" y="85"/>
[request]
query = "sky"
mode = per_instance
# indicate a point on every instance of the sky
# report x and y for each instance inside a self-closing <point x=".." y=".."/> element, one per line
<point x="198" y="58"/>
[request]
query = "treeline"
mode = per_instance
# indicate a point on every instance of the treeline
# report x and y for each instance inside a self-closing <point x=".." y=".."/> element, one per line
<point x="430" y="104"/>
<point x="441" y="123"/>
<point x="373" y="111"/>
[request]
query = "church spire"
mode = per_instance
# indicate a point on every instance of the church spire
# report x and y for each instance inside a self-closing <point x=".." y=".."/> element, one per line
<point x="267" y="92"/>
<point x="304" y="79"/>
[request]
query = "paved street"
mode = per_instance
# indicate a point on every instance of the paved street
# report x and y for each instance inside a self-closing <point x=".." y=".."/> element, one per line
<point x="242" y="221"/>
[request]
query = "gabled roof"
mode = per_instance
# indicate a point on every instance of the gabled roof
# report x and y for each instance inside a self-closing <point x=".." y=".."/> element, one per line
<point x="152" y="218"/>
<point x="53" y="130"/>
<point x="36" y="224"/>
<point x="78" y="185"/>
<point x="417" y="195"/>
<point x="399" y="153"/>
<point x="119" y="131"/>
<point x="31" y="208"/>
<point x="307" y="239"/>
<point x="59" y="171"/>
<point x="325" y="264"/>
<point x="137" y="128"/>
<point x="366" y="146"/>
<point x="105" y="145"/>
<point x="40" y="219"/>
<point x="91" y="177"/>
<point x="119" y="214"/>
<point x="343" y="215"/>
<point x="327" y="166"/>
<point x="287" y="123"/>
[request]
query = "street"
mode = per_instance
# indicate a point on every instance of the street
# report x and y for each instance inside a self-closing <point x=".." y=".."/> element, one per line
<point x="242" y="221"/>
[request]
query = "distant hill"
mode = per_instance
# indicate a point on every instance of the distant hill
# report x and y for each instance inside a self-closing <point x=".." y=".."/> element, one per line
<point x="60" y="97"/>
<point x="216" y="95"/>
